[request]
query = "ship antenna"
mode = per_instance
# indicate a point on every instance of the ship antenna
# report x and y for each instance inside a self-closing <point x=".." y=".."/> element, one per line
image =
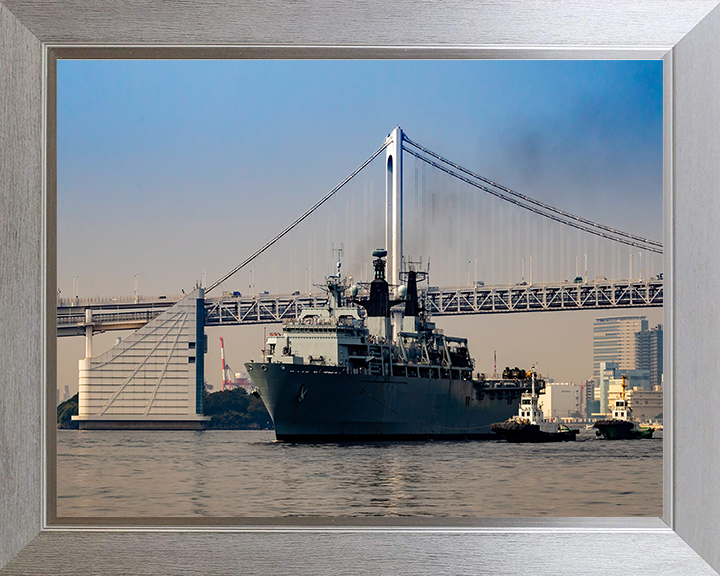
<point x="623" y="386"/>
<point x="339" y="253"/>
<point x="264" y="342"/>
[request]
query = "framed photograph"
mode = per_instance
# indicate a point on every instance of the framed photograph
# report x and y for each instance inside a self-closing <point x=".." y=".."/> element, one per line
<point x="33" y="541"/>
<point x="141" y="192"/>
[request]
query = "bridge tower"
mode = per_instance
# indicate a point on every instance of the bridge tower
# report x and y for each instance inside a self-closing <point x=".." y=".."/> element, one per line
<point x="394" y="212"/>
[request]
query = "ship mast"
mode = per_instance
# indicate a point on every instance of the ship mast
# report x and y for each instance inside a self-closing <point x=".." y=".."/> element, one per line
<point x="533" y="383"/>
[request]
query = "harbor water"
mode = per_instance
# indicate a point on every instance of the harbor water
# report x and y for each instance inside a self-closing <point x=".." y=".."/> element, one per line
<point x="245" y="473"/>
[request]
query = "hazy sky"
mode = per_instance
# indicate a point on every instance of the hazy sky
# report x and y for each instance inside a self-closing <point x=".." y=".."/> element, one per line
<point x="170" y="168"/>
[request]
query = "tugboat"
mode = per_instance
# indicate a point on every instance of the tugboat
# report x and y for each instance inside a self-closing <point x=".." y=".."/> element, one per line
<point x="342" y="373"/>
<point x="621" y="426"/>
<point x="529" y="424"/>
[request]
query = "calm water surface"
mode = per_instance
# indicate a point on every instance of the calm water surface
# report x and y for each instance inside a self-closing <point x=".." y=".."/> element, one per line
<point x="247" y="473"/>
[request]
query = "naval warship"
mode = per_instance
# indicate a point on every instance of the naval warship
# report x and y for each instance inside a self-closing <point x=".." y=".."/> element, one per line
<point x="338" y="373"/>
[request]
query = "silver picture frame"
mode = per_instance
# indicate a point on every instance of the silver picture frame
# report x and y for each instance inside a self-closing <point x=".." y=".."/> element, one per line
<point x="685" y="34"/>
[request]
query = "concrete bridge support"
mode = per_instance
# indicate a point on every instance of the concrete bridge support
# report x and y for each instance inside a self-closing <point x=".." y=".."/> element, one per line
<point x="153" y="379"/>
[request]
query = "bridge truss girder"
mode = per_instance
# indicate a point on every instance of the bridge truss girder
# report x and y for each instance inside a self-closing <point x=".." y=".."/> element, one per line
<point x="545" y="297"/>
<point x="274" y="309"/>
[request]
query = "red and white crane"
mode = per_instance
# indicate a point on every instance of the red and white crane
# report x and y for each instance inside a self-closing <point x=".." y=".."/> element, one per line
<point x="231" y="380"/>
<point x="228" y="378"/>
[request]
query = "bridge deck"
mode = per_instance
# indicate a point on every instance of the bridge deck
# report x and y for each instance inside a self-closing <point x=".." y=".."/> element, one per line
<point x="131" y="313"/>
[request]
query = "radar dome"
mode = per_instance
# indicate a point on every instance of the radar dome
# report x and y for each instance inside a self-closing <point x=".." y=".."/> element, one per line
<point x="402" y="291"/>
<point x="353" y="290"/>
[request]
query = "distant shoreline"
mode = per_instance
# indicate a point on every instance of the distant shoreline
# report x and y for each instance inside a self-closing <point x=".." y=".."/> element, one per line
<point x="229" y="410"/>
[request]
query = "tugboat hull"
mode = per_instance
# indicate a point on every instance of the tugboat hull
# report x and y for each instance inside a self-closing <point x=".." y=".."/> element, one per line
<point x="518" y="432"/>
<point x="621" y="430"/>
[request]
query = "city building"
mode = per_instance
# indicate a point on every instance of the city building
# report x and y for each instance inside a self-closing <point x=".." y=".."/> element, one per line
<point x="649" y="353"/>
<point x="646" y="404"/>
<point x="153" y="379"/>
<point x="634" y="380"/>
<point x="610" y="383"/>
<point x="614" y="341"/>
<point x="587" y="397"/>
<point x="561" y="400"/>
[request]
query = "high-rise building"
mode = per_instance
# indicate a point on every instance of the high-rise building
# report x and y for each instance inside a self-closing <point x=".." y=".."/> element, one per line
<point x="561" y="400"/>
<point x="610" y="383"/>
<point x="649" y="353"/>
<point x="587" y="396"/>
<point x="614" y="341"/>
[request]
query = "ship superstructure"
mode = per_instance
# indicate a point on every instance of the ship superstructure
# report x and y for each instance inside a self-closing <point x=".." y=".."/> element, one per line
<point x="343" y="373"/>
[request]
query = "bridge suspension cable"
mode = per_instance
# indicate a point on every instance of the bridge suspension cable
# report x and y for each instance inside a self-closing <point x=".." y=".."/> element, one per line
<point x="296" y="222"/>
<point x="645" y="241"/>
<point x="577" y="222"/>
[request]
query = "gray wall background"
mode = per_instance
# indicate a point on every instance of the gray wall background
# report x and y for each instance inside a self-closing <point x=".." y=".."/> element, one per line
<point x="27" y="288"/>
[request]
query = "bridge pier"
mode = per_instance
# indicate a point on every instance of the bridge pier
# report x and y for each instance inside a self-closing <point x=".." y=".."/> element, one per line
<point x="153" y="379"/>
<point x="88" y="333"/>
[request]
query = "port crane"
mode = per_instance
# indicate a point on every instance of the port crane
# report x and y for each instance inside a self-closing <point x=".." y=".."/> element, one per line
<point x="228" y="379"/>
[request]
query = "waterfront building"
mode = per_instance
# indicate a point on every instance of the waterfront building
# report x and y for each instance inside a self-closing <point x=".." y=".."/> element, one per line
<point x="646" y="404"/>
<point x="610" y="383"/>
<point x="649" y="353"/>
<point x="561" y="400"/>
<point x="634" y="380"/>
<point x="614" y="341"/>
<point x="593" y="408"/>
<point x="587" y="397"/>
<point x="153" y="379"/>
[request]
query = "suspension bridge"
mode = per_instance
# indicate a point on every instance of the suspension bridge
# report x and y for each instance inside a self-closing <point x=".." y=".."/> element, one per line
<point x="487" y="226"/>
<point x="155" y="377"/>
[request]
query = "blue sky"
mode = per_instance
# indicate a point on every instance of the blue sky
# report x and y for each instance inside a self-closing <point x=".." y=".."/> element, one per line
<point x="169" y="168"/>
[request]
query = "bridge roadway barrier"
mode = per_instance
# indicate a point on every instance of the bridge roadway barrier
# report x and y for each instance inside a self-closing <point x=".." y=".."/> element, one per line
<point x="131" y="313"/>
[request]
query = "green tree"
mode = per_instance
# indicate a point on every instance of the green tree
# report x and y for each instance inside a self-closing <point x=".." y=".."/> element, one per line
<point x="235" y="410"/>
<point x="66" y="411"/>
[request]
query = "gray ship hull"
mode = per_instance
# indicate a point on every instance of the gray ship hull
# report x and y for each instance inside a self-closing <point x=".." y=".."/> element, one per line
<point x="320" y="403"/>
